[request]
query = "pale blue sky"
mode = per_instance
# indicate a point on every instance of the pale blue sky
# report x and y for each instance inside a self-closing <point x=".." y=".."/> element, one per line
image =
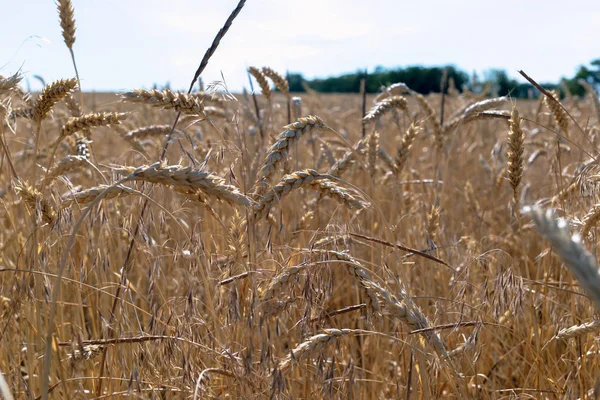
<point x="124" y="44"/>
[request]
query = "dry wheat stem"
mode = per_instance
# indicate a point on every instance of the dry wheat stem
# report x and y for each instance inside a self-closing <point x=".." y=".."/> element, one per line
<point x="186" y="180"/>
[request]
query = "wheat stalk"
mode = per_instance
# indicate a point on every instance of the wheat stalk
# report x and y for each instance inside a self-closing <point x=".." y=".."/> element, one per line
<point x="166" y="99"/>
<point x="35" y="201"/>
<point x="67" y="21"/>
<point x="560" y="116"/>
<point x="280" y="82"/>
<point x="262" y="81"/>
<point x="186" y="180"/>
<point x="91" y="120"/>
<point x="63" y="166"/>
<point x="284" y="142"/>
<point x="387" y="104"/>
<point x="311" y="178"/>
<point x="52" y="94"/>
<point x="405" y="145"/>
<point x="516" y="137"/>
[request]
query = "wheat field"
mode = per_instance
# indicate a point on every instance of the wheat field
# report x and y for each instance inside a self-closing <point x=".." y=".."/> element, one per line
<point x="164" y="244"/>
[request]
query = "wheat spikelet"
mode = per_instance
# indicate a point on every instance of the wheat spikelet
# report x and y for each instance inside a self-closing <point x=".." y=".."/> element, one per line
<point x="372" y="149"/>
<point x="35" y="201"/>
<point x="560" y="116"/>
<point x="592" y="93"/>
<point x="430" y="115"/>
<point x="590" y="220"/>
<point x="394" y="89"/>
<point x="166" y="99"/>
<point x="516" y="137"/>
<point x="433" y="222"/>
<point x="577" y="330"/>
<point x="280" y="82"/>
<point x="67" y="21"/>
<point x="186" y="180"/>
<point x="91" y="120"/>
<point x="404" y="148"/>
<point x="262" y="81"/>
<point x="579" y="260"/>
<point x="404" y="310"/>
<point x="88" y="195"/>
<point x="298" y="179"/>
<point x="277" y="283"/>
<point x="52" y="94"/>
<point x="348" y="158"/>
<point x="386" y="158"/>
<point x="314" y="344"/>
<point x="63" y="166"/>
<point x="387" y="104"/>
<point x="489" y="114"/>
<point x="82" y="146"/>
<point x="471" y="112"/>
<point x="147" y="132"/>
<point x="10" y="83"/>
<point x="285" y="141"/>
<point x="72" y="105"/>
<point x="21" y="112"/>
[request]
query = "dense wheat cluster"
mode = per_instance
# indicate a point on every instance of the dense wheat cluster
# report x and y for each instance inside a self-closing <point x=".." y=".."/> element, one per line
<point x="263" y="248"/>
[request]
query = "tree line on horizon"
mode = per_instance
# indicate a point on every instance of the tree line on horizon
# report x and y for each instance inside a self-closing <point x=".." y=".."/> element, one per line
<point x="425" y="80"/>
